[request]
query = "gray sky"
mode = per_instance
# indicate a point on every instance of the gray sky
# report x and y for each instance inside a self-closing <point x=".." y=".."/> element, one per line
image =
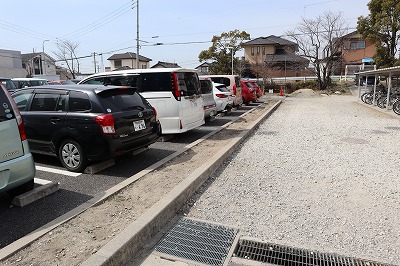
<point x="185" y="27"/>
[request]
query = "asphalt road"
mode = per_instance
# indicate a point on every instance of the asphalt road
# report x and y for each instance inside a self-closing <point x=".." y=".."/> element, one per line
<point x="17" y="222"/>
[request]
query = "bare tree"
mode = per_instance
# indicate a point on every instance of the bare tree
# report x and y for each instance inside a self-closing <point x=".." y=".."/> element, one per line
<point x="320" y="41"/>
<point x="67" y="53"/>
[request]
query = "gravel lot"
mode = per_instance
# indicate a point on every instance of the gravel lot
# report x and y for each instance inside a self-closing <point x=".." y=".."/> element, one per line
<point x="321" y="173"/>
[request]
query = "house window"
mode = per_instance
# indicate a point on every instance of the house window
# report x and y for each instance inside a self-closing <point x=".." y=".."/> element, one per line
<point x="117" y="63"/>
<point x="258" y="49"/>
<point x="357" y="45"/>
<point x="252" y="50"/>
<point x="263" y="50"/>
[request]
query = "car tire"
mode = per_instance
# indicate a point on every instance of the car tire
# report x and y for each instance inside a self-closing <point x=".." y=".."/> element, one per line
<point x="72" y="156"/>
<point x="28" y="186"/>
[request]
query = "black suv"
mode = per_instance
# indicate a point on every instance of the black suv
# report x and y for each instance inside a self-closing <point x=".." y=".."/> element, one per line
<point x="81" y="123"/>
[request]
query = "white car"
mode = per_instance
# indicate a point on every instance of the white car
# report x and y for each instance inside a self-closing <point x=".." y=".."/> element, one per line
<point x="232" y="82"/>
<point x="175" y="93"/>
<point x="209" y="105"/>
<point x="29" y="82"/>
<point x="223" y="97"/>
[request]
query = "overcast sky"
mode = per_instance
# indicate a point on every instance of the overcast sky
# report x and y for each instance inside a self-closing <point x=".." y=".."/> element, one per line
<point x="184" y="27"/>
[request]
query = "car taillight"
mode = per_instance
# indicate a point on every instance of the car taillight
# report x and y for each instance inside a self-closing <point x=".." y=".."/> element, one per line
<point x="106" y="123"/>
<point x="155" y="112"/>
<point x="234" y="89"/>
<point x="175" y="86"/>
<point x="18" y="117"/>
<point x="221" y="95"/>
<point x="21" y="127"/>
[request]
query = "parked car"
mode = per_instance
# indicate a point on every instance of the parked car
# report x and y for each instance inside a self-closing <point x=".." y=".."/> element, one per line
<point x="28" y="82"/>
<point x="249" y="92"/>
<point x="17" y="167"/>
<point x="80" y="123"/>
<point x="8" y="84"/>
<point x="223" y="97"/>
<point x="60" y="82"/>
<point x="232" y="82"/>
<point x="209" y="105"/>
<point x="259" y="90"/>
<point x="174" y="92"/>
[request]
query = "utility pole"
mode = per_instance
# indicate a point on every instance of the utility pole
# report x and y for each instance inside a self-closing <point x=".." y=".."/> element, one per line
<point x="94" y="61"/>
<point x="137" y="34"/>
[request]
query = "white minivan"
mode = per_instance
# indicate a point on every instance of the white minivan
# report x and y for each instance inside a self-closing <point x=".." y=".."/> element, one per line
<point x="174" y="93"/>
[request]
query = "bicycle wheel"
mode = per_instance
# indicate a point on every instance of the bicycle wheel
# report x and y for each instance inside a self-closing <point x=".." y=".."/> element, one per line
<point x="368" y="99"/>
<point x="396" y="107"/>
<point x="364" y="95"/>
<point x="381" y="101"/>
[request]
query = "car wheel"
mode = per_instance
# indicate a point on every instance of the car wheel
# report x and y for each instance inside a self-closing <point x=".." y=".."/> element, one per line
<point x="28" y="186"/>
<point x="72" y="156"/>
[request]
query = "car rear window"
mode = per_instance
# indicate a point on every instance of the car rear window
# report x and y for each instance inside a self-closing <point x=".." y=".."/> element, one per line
<point x="6" y="109"/>
<point x="221" y="80"/>
<point x="223" y="88"/>
<point x="116" y="100"/>
<point x="206" y="86"/>
<point x="189" y="83"/>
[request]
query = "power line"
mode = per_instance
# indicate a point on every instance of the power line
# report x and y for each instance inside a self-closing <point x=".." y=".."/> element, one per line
<point x="100" y="22"/>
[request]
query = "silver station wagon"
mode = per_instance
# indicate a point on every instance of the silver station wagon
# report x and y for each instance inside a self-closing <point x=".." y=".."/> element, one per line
<point x="17" y="168"/>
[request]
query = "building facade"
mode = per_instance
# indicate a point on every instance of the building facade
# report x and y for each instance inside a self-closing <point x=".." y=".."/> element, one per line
<point x="127" y="60"/>
<point x="356" y="53"/>
<point x="11" y="64"/>
<point x="274" y="57"/>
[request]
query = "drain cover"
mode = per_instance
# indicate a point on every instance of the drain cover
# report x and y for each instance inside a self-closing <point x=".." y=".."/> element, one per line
<point x="198" y="241"/>
<point x="283" y="255"/>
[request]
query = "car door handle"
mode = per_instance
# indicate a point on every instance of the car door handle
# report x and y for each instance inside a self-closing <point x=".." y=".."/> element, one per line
<point x="55" y="120"/>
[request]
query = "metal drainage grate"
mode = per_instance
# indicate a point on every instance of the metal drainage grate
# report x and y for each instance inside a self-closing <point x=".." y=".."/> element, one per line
<point x="283" y="255"/>
<point x="198" y="241"/>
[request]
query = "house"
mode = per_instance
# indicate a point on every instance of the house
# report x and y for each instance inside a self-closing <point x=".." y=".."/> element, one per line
<point x="356" y="53"/>
<point x="204" y="68"/>
<point x="11" y="64"/>
<point x="39" y="65"/>
<point x="127" y="60"/>
<point x="275" y="54"/>
<point x="161" y="64"/>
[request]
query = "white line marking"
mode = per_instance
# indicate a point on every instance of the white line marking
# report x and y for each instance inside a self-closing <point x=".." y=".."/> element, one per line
<point x="57" y="171"/>
<point x="41" y="181"/>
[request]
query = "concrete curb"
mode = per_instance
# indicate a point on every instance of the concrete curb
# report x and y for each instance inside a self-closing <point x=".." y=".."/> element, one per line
<point x="121" y="248"/>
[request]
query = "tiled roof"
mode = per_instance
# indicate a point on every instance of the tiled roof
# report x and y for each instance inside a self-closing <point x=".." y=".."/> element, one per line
<point x="166" y="65"/>
<point x="128" y="55"/>
<point x="282" y="56"/>
<point x="270" y="40"/>
<point x="204" y="64"/>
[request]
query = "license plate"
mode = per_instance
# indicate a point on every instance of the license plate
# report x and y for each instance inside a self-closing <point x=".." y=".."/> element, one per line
<point x="139" y="125"/>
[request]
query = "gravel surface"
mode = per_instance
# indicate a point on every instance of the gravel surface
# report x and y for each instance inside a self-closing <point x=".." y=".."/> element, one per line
<point x="321" y="173"/>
